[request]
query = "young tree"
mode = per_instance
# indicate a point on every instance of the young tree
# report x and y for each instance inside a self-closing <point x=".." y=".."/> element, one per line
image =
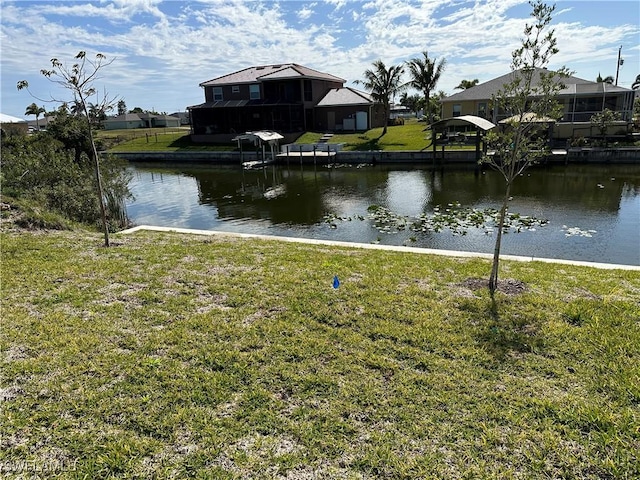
<point x="529" y="102"/>
<point x="79" y="79"/>
<point x="464" y="84"/>
<point x="425" y="73"/>
<point x="603" y="120"/>
<point x="383" y="83"/>
<point x="34" y="109"/>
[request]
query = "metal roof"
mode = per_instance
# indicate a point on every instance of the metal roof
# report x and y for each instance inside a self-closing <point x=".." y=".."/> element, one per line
<point x="9" y="119"/>
<point x="266" y="136"/>
<point x="479" y="122"/>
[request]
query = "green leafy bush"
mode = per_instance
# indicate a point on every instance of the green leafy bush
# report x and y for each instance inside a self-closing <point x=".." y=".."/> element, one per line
<point x="42" y="173"/>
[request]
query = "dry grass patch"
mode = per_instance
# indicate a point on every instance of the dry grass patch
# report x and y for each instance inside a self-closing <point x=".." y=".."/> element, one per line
<point x="170" y="356"/>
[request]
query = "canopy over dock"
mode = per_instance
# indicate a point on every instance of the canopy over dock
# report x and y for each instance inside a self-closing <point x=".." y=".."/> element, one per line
<point x="480" y="124"/>
<point x="260" y="139"/>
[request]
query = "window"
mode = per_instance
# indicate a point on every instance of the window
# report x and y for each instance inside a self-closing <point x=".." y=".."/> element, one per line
<point x="308" y="95"/>
<point x="254" y="91"/>
<point x="482" y="109"/>
<point x="235" y="89"/>
<point x="217" y="94"/>
<point x="456" y="109"/>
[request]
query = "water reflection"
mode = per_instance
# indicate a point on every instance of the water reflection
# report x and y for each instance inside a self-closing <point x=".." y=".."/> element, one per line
<point x="294" y="201"/>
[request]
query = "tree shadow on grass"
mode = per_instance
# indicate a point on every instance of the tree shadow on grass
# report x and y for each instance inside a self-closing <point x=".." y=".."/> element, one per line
<point x="504" y="331"/>
<point x="367" y="144"/>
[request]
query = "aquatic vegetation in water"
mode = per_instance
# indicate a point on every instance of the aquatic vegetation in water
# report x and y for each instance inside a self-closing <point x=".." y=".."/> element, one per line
<point x="577" y="232"/>
<point x="452" y="217"/>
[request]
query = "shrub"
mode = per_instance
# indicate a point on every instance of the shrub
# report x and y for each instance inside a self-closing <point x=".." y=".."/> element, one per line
<point x="41" y="172"/>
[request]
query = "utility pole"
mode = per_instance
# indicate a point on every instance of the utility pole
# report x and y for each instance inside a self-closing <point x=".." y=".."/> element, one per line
<point x="620" y="62"/>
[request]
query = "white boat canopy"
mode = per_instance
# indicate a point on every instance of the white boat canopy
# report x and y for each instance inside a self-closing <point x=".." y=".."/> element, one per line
<point x="260" y="136"/>
<point x="481" y="123"/>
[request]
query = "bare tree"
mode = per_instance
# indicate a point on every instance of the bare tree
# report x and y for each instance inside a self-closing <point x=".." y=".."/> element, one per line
<point x="529" y="102"/>
<point x="79" y="79"/>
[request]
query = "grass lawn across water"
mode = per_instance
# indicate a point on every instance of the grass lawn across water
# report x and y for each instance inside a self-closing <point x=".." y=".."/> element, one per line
<point x="176" y="356"/>
<point x="410" y="136"/>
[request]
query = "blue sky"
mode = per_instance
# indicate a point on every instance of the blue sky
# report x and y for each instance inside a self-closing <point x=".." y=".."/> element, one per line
<point x="163" y="50"/>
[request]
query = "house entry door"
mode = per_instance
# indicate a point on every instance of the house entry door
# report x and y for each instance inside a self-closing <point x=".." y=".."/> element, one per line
<point x="331" y="120"/>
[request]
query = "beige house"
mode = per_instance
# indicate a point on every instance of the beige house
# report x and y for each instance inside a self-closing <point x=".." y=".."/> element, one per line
<point x="580" y="99"/>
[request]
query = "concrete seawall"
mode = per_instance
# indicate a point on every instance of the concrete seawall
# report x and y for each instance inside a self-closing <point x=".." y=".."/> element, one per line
<point x="627" y="155"/>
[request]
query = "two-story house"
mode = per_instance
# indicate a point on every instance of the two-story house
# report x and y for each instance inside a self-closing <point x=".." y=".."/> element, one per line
<point x="285" y="98"/>
<point x="580" y="100"/>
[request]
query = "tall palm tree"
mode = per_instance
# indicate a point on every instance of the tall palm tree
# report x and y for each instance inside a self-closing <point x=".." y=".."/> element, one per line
<point x="383" y="83"/>
<point x="464" y="84"/>
<point x="34" y="109"/>
<point x="608" y="79"/>
<point x="636" y="84"/>
<point x="425" y="73"/>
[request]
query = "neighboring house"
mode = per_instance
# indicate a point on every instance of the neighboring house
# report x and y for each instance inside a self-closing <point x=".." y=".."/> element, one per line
<point x="12" y="125"/>
<point x="140" y="120"/>
<point x="41" y="123"/>
<point x="580" y="99"/>
<point x="284" y="98"/>
<point x="152" y="121"/>
<point x="183" y="116"/>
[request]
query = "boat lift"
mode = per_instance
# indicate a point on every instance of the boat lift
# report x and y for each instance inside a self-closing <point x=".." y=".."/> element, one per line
<point x="260" y="139"/>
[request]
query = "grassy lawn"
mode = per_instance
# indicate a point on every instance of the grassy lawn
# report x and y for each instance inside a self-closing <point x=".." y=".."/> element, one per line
<point x="402" y="137"/>
<point x="157" y="139"/>
<point x="172" y="356"/>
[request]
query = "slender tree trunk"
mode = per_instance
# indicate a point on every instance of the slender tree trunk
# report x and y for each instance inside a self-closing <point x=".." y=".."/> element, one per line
<point x="103" y="211"/>
<point x="387" y="112"/>
<point x="493" y="279"/>
<point x="96" y="164"/>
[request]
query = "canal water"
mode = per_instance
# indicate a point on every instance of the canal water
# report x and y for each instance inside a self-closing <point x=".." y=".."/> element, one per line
<point x="590" y="213"/>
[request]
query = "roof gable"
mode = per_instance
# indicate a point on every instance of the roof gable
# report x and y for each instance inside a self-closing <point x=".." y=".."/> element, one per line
<point x="344" y="96"/>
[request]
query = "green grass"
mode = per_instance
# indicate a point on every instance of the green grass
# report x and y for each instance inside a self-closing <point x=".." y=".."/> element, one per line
<point x="410" y="136"/>
<point x="173" y="356"/>
<point x="165" y="141"/>
<point x="402" y="137"/>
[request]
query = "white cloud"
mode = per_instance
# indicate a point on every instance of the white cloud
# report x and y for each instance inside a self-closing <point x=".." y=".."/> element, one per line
<point x="305" y="12"/>
<point x="164" y="50"/>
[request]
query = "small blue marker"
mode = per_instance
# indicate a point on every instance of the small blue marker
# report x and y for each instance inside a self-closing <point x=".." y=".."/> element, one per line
<point x="336" y="282"/>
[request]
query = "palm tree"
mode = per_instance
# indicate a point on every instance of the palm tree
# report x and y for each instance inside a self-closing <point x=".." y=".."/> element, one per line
<point x="97" y="113"/>
<point x="34" y="109"/>
<point x="383" y="83"/>
<point x="76" y="108"/>
<point x="412" y="102"/>
<point x="464" y="84"/>
<point x="608" y="79"/>
<point x="636" y="84"/>
<point x="425" y="73"/>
